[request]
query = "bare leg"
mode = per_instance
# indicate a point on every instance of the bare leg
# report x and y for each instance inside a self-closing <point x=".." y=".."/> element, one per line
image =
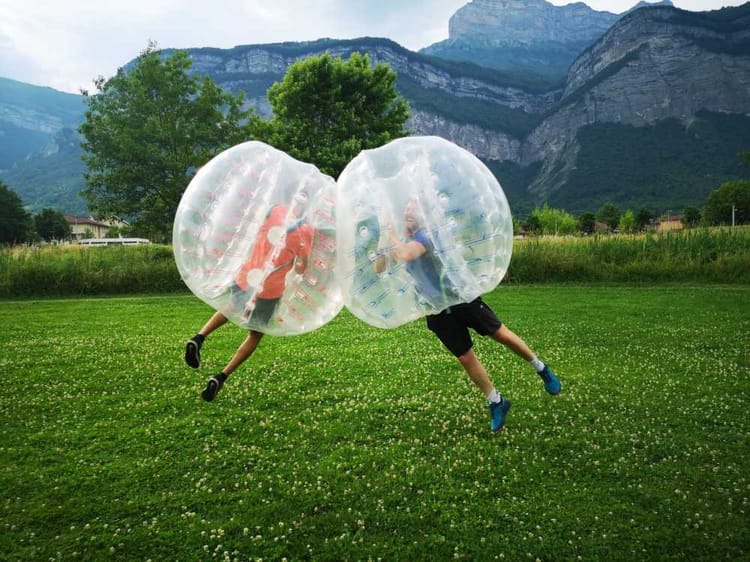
<point x="513" y="342"/>
<point x="217" y="320"/>
<point x="476" y="371"/>
<point x="519" y="347"/>
<point x="244" y="351"/>
<point x="193" y="345"/>
<point x="498" y="405"/>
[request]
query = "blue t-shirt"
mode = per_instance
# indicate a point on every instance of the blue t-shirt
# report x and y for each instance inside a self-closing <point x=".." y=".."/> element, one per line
<point x="425" y="270"/>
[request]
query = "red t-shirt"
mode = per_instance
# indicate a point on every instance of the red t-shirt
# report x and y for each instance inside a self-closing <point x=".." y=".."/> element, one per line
<point x="296" y="243"/>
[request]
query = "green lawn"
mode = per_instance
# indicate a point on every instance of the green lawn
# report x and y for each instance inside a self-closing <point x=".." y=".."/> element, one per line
<point x="353" y="443"/>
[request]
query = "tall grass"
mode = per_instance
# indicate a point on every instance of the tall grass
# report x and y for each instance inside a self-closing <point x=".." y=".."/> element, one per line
<point x="76" y="270"/>
<point x="700" y="255"/>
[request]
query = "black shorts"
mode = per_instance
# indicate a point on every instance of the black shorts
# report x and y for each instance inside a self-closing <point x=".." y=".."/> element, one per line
<point x="263" y="309"/>
<point x="451" y="326"/>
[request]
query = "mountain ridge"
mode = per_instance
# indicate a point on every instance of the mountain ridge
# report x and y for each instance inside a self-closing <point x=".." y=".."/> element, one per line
<point x="525" y="35"/>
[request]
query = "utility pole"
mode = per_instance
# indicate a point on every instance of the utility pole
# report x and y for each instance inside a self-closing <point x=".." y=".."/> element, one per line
<point x="733" y="208"/>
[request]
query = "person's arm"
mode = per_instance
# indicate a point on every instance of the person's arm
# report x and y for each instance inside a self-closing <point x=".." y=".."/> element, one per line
<point x="300" y="264"/>
<point x="411" y="250"/>
<point x="402" y="252"/>
<point x="408" y="251"/>
<point x="380" y="263"/>
<point x="306" y="235"/>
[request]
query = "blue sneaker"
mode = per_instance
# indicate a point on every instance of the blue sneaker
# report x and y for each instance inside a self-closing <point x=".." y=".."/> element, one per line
<point x="498" y="411"/>
<point x="551" y="382"/>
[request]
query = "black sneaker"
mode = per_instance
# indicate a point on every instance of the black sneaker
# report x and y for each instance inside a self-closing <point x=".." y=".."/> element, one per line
<point x="193" y="353"/>
<point x="212" y="388"/>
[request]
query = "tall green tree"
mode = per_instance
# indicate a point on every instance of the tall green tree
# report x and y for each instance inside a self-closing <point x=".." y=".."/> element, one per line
<point x="555" y="221"/>
<point x="16" y="224"/>
<point x="587" y="223"/>
<point x="691" y="217"/>
<point x="147" y="131"/>
<point x="609" y="215"/>
<point x="731" y="195"/>
<point x="326" y="110"/>
<point x="730" y="198"/>
<point x="643" y="218"/>
<point x="51" y="225"/>
<point x="532" y="224"/>
<point x="628" y="223"/>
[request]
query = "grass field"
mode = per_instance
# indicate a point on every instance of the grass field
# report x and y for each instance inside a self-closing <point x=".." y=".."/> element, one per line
<point x="352" y="443"/>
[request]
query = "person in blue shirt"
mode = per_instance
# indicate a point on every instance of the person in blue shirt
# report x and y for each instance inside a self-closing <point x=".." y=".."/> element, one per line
<point x="451" y="325"/>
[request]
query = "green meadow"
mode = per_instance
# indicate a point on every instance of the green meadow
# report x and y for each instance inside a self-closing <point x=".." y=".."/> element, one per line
<point x="353" y="443"/>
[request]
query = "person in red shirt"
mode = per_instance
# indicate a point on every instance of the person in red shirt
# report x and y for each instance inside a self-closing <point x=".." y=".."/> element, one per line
<point x="272" y="273"/>
<point x="259" y="285"/>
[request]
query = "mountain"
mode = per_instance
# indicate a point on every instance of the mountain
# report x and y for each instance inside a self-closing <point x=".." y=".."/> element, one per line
<point x="672" y="80"/>
<point x="39" y="145"/>
<point x="524" y="37"/>
<point x="651" y="113"/>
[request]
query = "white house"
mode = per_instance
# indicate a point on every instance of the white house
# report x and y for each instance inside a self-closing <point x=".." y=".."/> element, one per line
<point x="89" y="227"/>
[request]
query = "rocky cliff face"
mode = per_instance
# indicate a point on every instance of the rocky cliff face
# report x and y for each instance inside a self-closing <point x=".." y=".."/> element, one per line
<point x="527" y="22"/>
<point x="30" y="119"/>
<point x="524" y="37"/>
<point x="669" y="38"/>
<point x="490" y="145"/>
<point x="652" y="65"/>
<point x="41" y="110"/>
<point x="239" y="68"/>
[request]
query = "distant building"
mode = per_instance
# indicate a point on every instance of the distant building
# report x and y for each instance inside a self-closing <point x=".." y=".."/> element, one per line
<point x="671" y="222"/>
<point x="89" y="227"/>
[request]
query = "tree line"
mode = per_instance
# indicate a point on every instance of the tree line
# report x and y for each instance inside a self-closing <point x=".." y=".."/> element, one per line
<point x="727" y="205"/>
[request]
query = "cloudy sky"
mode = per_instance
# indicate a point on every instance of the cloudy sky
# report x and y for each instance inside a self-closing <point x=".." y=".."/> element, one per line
<point x="66" y="44"/>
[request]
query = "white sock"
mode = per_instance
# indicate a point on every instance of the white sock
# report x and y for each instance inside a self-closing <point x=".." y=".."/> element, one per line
<point x="494" y="397"/>
<point x="537" y="364"/>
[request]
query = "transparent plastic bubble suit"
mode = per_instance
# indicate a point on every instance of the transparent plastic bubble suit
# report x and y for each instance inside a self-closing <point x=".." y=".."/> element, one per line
<point x="246" y="220"/>
<point x="455" y="208"/>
